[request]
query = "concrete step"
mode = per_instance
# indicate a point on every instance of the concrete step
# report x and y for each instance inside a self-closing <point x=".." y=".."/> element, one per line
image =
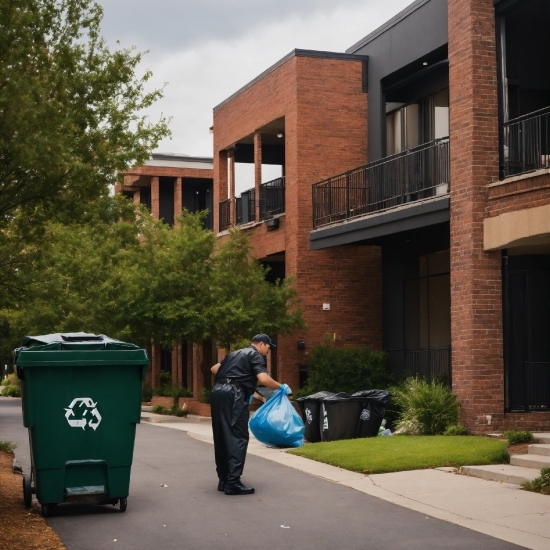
<point x="542" y="450"/>
<point x="542" y="437"/>
<point x="501" y="472"/>
<point x="530" y="461"/>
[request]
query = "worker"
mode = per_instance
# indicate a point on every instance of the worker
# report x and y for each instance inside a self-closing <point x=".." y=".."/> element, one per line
<point x="235" y="383"/>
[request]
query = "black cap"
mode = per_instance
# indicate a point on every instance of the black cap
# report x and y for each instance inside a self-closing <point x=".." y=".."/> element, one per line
<point x="265" y="339"/>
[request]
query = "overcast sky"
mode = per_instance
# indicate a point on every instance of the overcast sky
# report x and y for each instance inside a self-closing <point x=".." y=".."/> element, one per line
<point x="205" y="50"/>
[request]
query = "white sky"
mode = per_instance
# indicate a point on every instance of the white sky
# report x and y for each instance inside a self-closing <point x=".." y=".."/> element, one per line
<point x="205" y="50"/>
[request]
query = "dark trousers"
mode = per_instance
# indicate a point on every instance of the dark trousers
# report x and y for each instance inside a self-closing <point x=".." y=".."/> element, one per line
<point x="230" y="428"/>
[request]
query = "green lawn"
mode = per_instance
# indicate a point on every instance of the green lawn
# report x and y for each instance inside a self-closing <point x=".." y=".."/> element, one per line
<point x="377" y="455"/>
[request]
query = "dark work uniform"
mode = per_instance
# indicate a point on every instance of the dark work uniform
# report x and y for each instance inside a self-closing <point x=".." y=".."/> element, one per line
<point x="235" y="383"/>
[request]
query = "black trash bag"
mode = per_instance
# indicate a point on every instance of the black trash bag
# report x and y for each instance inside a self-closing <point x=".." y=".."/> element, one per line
<point x="339" y="417"/>
<point x="310" y="407"/>
<point x="372" y="411"/>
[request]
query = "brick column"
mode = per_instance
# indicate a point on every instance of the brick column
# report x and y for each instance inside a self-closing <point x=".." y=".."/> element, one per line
<point x="155" y="365"/>
<point x="178" y="199"/>
<point x="476" y="301"/>
<point x="197" y="370"/>
<point x="176" y="365"/>
<point x="220" y="186"/>
<point x="231" y="160"/>
<point x="189" y="382"/>
<point x="118" y="188"/>
<point x="257" y="172"/>
<point x="137" y="195"/>
<point x="155" y="198"/>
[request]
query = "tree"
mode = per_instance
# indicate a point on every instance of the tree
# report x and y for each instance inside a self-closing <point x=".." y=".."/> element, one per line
<point x="121" y="273"/>
<point x="71" y="118"/>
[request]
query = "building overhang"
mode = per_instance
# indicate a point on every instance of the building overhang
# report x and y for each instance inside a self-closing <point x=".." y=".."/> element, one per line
<point x="522" y="228"/>
<point x="404" y="218"/>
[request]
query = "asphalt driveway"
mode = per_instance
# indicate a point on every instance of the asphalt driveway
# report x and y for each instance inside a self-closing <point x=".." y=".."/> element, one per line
<point x="290" y="510"/>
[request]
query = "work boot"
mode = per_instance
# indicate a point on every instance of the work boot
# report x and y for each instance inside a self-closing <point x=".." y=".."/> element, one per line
<point x="221" y="485"/>
<point x="238" y="489"/>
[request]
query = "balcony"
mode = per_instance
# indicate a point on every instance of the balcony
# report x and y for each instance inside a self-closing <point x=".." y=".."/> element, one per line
<point x="526" y="143"/>
<point x="420" y="173"/>
<point x="271" y="203"/>
<point x="225" y="214"/>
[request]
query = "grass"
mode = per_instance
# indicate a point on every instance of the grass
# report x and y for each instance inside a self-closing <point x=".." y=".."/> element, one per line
<point x="7" y="446"/>
<point x="378" y="455"/>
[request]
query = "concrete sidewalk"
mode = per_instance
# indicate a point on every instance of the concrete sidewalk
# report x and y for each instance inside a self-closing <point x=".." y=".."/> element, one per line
<point x="500" y="510"/>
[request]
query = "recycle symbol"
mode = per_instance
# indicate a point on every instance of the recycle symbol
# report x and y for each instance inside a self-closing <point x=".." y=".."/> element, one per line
<point x="81" y="422"/>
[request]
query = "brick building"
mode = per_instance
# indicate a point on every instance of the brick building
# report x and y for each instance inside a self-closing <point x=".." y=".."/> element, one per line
<point x="412" y="198"/>
<point x="166" y="184"/>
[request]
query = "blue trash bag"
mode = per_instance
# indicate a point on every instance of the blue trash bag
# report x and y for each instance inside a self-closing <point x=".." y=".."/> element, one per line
<point x="277" y="424"/>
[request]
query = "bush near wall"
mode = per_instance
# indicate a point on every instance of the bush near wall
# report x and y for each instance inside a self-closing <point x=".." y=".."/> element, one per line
<point x="346" y="369"/>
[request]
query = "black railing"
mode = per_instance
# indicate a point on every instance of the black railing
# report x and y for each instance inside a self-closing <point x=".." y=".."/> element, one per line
<point x="246" y="207"/>
<point x="416" y="174"/>
<point x="526" y="143"/>
<point x="272" y="198"/>
<point x="225" y="214"/>
<point x="427" y="363"/>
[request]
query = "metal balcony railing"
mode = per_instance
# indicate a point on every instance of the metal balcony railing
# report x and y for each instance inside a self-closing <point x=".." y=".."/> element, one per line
<point x="245" y="206"/>
<point x="416" y="174"/>
<point x="526" y="143"/>
<point x="427" y="363"/>
<point x="272" y="198"/>
<point x="225" y="214"/>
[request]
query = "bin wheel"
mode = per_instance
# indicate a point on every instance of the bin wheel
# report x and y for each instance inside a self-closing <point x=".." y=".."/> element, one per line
<point x="123" y="504"/>
<point x="27" y="491"/>
<point x="46" y="510"/>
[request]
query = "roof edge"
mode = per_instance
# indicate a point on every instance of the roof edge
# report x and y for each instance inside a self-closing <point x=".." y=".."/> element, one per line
<point x="403" y="14"/>
<point x="183" y="158"/>
<point x="294" y="53"/>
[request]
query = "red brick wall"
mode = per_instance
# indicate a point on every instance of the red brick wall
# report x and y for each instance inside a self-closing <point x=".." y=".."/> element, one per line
<point x="520" y="193"/>
<point x="325" y="115"/>
<point x="476" y="307"/>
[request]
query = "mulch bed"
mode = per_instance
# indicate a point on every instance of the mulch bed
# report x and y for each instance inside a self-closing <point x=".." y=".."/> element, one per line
<point x="21" y="529"/>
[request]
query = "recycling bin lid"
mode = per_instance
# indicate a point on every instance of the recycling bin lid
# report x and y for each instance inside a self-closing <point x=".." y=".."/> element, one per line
<point x="77" y="349"/>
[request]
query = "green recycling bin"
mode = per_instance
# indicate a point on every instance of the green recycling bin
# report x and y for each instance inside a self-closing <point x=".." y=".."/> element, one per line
<point x="81" y="399"/>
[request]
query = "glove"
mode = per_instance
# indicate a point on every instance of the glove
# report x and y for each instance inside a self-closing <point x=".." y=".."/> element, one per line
<point x="285" y="389"/>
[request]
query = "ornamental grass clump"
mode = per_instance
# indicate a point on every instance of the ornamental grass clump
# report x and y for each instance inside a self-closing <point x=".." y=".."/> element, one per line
<point x="427" y="408"/>
<point x="540" y="484"/>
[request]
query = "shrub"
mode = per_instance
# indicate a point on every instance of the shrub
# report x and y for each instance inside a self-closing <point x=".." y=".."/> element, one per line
<point x="178" y="391"/>
<point x="178" y="411"/>
<point x="11" y="391"/>
<point x="346" y="369"/>
<point x="11" y="380"/>
<point x="427" y="408"/>
<point x="540" y="484"/>
<point x="160" y="409"/>
<point x="7" y="446"/>
<point x="457" y="429"/>
<point x="516" y="436"/>
<point x="205" y="396"/>
<point x="158" y="391"/>
<point x="146" y="392"/>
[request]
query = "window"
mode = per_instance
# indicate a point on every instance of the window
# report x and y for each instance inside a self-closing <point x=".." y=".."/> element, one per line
<point x="416" y="123"/>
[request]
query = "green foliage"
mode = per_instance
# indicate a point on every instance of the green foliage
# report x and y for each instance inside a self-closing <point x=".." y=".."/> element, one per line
<point x="71" y="122"/>
<point x="11" y="391"/>
<point x="242" y="302"/>
<point x="146" y="392"/>
<point x="178" y="411"/>
<point x="457" y="429"/>
<point x="205" y="396"/>
<point x="179" y="391"/>
<point x="7" y="446"/>
<point x="426" y="408"/>
<point x="378" y="455"/>
<point x="540" y="484"/>
<point x="516" y="436"/>
<point x="11" y="380"/>
<point x="174" y="410"/>
<point x="346" y="369"/>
